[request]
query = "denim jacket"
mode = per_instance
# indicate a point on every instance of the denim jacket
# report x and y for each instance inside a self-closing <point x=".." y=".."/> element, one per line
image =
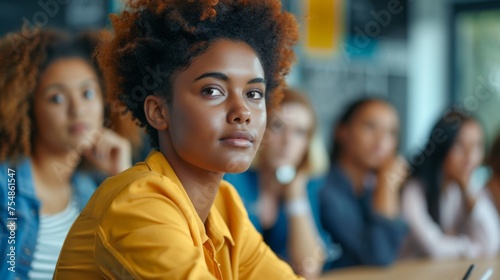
<point x="19" y="227"/>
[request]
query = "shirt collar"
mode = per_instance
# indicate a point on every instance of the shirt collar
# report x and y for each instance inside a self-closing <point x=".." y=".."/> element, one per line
<point x="216" y="227"/>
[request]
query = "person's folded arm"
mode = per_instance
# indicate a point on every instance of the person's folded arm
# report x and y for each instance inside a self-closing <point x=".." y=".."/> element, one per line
<point x="432" y="240"/>
<point x="484" y="226"/>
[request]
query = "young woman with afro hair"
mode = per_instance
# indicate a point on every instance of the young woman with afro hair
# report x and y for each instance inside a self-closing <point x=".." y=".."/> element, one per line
<point x="199" y="76"/>
<point x="52" y="135"/>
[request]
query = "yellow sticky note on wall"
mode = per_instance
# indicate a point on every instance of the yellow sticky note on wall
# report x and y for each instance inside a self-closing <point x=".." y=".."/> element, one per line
<point x="324" y="21"/>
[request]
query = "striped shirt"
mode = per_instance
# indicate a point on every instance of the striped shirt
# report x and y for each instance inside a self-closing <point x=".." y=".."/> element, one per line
<point x="51" y="234"/>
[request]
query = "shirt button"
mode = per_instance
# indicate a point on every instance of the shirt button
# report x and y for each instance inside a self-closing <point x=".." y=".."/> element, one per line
<point x="27" y="251"/>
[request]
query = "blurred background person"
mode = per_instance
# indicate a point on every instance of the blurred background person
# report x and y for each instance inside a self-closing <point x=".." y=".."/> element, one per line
<point x="360" y="201"/>
<point x="280" y="191"/>
<point x="447" y="219"/>
<point x="52" y="113"/>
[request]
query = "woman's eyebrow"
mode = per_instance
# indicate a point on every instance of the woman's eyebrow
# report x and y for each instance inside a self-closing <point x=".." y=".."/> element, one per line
<point x="224" y="77"/>
<point x="217" y="75"/>
<point x="88" y="82"/>
<point x="257" y="81"/>
<point x="56" y="86"/>
<point x="62" y="86"/>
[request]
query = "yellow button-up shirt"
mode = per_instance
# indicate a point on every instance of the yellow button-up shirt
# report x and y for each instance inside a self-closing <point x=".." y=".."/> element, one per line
<point x="141" y="224"/>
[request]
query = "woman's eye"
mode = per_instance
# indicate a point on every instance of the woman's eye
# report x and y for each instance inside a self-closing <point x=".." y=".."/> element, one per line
<point x="89" y="93"/>
<point x="57" y="98"/>
<point x="255" y="95"/>
<point x="212" y="92"/>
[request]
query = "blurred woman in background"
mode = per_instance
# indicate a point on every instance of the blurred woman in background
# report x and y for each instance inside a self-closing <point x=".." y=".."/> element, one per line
<point x="280" y="192"/>
<point x="51" y="118"/>
<point x="360" y="201"/>
<point x="446" y="218"/>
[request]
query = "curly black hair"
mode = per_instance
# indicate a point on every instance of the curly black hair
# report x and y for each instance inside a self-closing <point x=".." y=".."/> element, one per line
<point x="156" y="38"/>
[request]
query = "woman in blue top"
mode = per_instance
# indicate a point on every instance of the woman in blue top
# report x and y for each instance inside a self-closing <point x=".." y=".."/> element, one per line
<point x="360" y="201"/>
<point x="280" y="193"/>
<point x="51" y="117"/>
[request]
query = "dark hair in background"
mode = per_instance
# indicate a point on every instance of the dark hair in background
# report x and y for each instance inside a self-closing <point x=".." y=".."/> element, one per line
<point x="428" y="169"/>
<point x="165" y="36"/>
<point x="345" y="118"/>
<point x="494" y="157"/>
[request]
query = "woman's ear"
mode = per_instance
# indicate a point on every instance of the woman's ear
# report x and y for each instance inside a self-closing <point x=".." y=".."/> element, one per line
<point x="156" y="111"/>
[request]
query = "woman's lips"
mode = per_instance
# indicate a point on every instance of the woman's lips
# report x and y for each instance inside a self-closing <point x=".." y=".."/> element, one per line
<point x="238" y="139"/>
<point x="238" y="143"/>
<point x="78" y="128"/>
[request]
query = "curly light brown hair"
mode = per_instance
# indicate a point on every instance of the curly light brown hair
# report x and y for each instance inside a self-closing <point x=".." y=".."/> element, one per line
<point x="22" y="61"/>
<point x="165" y="35"/>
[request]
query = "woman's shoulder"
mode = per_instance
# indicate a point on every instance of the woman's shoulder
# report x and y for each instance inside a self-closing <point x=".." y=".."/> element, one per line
<point x="141" y="178"/>
<point x="135" y="183"/>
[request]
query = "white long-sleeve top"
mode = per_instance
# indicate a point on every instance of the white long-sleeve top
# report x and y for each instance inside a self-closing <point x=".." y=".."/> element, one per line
<point x="461" y="234"/>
